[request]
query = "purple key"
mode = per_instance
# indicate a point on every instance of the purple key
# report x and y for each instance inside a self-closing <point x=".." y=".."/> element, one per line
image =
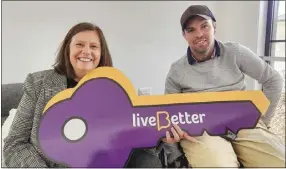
<point x="114" y="126"/>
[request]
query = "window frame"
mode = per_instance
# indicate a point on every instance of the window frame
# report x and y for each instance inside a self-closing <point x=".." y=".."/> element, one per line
<point x="272" y="15"/>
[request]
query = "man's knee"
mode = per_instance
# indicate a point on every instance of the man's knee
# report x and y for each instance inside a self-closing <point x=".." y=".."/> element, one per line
<point x="210" y="151"/>
<point x="259" y="148"/>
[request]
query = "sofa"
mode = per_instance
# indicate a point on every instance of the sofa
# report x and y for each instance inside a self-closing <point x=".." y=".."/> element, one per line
<point x="11" y="96"/>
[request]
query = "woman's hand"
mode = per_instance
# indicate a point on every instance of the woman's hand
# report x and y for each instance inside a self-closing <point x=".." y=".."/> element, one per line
<point x="178" y="135"/>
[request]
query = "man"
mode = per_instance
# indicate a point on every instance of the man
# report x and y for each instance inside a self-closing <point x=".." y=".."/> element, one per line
<point x="211" y="65"/>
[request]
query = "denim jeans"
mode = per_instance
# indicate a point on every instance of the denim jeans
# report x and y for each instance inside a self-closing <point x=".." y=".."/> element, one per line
<point x="144" y="158"/>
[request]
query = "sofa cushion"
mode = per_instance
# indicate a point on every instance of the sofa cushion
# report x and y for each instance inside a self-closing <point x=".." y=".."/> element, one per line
<point x="11" y="96"/>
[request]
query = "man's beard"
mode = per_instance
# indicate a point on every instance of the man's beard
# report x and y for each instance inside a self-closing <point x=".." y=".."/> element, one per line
<point x="202" y="51"/>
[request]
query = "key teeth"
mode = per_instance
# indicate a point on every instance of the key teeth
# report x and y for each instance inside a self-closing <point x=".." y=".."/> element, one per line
<point x="227" y="132"/>
<point x="205" y="131"/>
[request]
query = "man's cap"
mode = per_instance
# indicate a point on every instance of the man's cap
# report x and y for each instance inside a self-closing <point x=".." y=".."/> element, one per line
<point x="199" y="10"/>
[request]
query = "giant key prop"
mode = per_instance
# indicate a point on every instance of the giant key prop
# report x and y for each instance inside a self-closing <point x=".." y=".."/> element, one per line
<point x="115" y="120"/>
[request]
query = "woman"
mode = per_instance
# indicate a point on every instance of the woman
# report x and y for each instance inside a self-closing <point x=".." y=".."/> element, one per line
<point x="84" y="48"/>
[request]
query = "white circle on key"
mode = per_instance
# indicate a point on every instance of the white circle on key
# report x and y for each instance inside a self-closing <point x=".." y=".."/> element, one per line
<point x="74" y="129"/>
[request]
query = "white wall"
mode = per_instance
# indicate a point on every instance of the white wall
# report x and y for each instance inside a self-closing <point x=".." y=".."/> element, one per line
<point x="243" y="22"/>
<point x="144" y="37"/>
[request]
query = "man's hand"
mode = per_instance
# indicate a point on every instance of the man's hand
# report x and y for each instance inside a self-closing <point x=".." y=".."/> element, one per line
<point x="178" y="135"/>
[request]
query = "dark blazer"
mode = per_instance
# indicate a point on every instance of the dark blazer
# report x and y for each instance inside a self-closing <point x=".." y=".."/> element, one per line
<point x="20" y="146"/>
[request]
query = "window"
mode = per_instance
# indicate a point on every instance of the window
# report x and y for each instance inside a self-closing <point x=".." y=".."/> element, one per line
<point x="275" y="36"/>
<point x="275" y="56"/>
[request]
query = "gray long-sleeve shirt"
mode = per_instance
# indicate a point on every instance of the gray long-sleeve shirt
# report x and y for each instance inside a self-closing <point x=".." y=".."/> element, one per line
<point x="226" y="72"/>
